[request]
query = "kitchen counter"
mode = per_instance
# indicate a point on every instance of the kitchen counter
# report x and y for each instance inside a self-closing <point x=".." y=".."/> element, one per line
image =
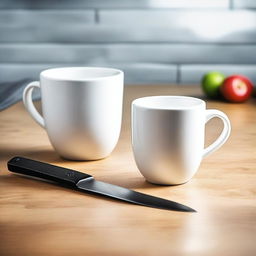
<point x="40" y="218"/>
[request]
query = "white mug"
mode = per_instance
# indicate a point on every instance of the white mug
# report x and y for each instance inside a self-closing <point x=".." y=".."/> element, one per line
<point x="82" y="110"/>
<point x="168" y="137"/>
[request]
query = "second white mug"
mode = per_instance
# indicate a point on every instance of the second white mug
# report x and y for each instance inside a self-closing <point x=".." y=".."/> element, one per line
<point x="82" y="110"/>
<point x="168" y="137"/>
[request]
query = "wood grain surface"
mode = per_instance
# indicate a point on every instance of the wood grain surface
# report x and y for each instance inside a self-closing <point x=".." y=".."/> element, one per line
<point x="40" y="218"/>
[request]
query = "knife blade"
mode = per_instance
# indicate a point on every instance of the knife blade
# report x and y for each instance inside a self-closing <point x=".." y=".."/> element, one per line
<point x="86" y="182"/>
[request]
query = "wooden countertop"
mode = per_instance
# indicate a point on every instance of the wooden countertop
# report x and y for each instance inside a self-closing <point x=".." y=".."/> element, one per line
<point x="39" y="218"/>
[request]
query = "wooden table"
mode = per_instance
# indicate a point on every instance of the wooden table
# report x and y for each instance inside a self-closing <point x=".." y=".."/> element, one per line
<point x="39" y="218"/>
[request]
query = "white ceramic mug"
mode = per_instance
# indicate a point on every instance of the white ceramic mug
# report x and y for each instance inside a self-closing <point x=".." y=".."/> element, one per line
<point x="82" y="110"/>
<point x="168" y="137"/>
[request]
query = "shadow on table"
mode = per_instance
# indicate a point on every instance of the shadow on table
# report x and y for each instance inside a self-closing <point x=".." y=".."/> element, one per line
<point x="47" y="155"/>
<point x="40" y="185"/>
<point x="50" y="156"/>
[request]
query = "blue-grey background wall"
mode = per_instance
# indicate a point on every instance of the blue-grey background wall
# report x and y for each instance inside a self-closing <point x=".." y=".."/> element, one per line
<point x="153" y="41"/>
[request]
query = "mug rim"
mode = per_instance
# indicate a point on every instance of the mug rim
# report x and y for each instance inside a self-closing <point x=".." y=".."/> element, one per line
<point x="147" y="102"/>
<point x="47" y="73"/>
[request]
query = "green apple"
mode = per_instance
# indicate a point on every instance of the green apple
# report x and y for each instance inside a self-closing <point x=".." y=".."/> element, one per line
<point x="211" y="83"/>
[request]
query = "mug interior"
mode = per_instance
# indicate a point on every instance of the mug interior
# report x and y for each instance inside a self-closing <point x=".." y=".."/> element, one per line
<point x="168" y="102"/>
<point x="80" y="73"/>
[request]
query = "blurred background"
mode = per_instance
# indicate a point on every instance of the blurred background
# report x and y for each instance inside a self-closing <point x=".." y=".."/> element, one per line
<point x="153" y="41"/>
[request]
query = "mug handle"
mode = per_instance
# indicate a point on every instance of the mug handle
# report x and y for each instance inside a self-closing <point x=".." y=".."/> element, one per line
<point x="211" y="113"/>
<point x="29" y="105"/>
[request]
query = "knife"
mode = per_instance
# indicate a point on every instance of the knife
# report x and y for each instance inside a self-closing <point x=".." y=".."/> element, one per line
<point x="86" y="182"/>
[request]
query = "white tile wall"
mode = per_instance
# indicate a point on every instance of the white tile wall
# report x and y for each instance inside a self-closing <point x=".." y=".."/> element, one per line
<point x="164" y="41"/>
<point x="245" y="4"/>
<point x="192" y="74"/>
<point x="112" y="4"/>
<point x="128" y="53"/>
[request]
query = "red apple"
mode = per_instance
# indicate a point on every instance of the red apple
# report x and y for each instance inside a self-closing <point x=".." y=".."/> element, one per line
<point x="236" y="88"/>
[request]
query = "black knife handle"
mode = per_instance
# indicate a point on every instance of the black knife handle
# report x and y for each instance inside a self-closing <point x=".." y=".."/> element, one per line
<point x="45" y="171"/>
